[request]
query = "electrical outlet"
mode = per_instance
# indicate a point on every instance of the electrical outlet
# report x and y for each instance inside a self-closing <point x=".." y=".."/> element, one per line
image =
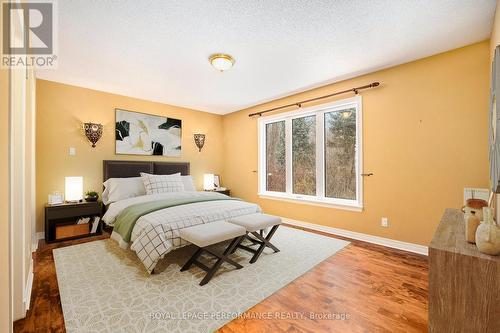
<point x="384" y="222"/>
<point x="72" y="151"/>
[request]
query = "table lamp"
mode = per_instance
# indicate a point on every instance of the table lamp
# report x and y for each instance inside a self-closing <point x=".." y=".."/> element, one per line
<point x="73" y="189"/>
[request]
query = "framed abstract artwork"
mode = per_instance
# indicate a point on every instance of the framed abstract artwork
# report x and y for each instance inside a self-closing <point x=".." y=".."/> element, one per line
<point x="139" y="133"/>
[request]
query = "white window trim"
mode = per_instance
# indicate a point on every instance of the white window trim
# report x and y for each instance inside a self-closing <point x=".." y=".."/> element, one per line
<point x="320" y="200"/>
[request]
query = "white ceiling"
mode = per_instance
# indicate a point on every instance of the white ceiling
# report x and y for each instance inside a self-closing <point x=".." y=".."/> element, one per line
<point x="158" y="50"/>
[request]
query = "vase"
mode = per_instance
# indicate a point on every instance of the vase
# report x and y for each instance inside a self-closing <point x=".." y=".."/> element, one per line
<point x="471" y="224"/>
<point x="474" y="206"/>
<point x="488" y="234"/>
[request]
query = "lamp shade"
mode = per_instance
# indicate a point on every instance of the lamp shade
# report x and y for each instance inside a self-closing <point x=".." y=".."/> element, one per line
<point x="208" y="181"/>
<point x="73" y="188"/>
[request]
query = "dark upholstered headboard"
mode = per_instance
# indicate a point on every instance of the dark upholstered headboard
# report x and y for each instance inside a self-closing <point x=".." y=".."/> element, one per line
<point x="125" y="169"/>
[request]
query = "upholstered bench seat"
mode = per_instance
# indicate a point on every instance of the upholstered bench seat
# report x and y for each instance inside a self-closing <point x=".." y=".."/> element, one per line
<point x="255" y="225"/>
<point x="204" y="235"/>
<point x="255" y="222"/>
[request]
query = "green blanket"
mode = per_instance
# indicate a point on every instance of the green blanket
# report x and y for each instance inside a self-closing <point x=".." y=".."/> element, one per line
<point x="126" y="220"/>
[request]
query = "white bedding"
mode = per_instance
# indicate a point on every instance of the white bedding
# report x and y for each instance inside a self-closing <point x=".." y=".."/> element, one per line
<point x="116" y="208"/>
<point x="162" y="227"/>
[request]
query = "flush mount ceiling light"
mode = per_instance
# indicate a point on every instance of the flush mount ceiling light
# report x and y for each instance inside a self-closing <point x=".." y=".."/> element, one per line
<point x="221" y="62"/>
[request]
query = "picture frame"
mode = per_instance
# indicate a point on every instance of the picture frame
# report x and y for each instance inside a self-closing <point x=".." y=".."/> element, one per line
<point x="216" y="181"/>
<point x="138" y="133"/>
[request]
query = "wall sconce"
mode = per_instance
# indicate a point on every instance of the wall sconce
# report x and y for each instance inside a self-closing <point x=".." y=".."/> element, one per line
<point x="93" y="132"/>
<point x="199" y="139"/>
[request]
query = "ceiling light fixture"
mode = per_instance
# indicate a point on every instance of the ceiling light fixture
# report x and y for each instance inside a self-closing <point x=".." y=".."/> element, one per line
<point x="221" y="62"/>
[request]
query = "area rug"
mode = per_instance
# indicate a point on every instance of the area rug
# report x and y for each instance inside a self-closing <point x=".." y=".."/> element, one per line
<point x="104" y="288"/>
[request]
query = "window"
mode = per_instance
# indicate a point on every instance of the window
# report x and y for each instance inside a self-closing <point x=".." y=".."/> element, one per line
<point x="304" y="155"/>
<point x="275" y="157"/>
<point x="340" y="154"/>
<point x="313" y="155"/>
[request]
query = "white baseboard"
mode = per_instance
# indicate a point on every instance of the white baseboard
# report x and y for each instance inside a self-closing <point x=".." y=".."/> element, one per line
<point x="29" y="287"/>
<point x="29" y="282"/>
<point x="38" y="236"/>
<point x="395" y="244"/>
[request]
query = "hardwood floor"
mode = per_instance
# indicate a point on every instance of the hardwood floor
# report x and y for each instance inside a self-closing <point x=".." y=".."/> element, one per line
<point x="45" y="313"/>
<point x="375" y="289"/>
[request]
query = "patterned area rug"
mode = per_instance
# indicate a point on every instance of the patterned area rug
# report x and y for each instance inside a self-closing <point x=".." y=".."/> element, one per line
<point x="104" y="288"/>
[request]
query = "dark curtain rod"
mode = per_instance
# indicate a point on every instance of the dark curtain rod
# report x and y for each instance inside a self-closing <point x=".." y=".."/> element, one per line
<point x="299" y="104"/>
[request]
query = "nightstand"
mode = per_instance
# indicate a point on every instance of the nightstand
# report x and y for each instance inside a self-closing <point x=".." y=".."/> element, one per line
<point x="61" y="220"/>
<point x="226" y="192"/>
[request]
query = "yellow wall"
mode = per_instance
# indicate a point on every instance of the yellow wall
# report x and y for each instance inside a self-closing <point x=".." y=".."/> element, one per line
<point x="424" y="138"/>
<point x="61" y="109"/>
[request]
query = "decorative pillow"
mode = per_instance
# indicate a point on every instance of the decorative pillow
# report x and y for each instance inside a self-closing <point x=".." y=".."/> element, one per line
<point x="155" y="184"/>
<point x="116" y="189"/>
<point x="188" y="183"/>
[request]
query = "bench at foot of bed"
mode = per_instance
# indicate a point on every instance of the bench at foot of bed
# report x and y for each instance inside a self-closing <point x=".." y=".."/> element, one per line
<point x="204" y="235"/>
<point x="255" y="225"/>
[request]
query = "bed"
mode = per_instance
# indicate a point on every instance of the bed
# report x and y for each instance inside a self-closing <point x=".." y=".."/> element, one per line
<point x="150" y="224"/>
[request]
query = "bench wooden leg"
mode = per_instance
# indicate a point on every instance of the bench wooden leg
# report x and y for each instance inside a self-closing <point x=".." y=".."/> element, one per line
<point x="260" y="240"/>
<point x="222" y="257"/>
<point x="268" y="237"/>
<point x="191" y="260"/>
<point x="231" y="247"/>
<point x="265" y="243"/>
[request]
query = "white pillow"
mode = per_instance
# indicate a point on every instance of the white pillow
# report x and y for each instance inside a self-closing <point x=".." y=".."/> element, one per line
<point x="188" y="183"/>
<point x="116" y="189"/>
<point x="155" y="184"/>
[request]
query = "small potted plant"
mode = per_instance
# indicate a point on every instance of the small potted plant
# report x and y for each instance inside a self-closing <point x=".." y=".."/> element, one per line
<point x="91" y="196"/>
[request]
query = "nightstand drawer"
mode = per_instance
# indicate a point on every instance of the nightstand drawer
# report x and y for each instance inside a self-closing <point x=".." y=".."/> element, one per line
<point x="226" y="191"/>
<point x="63" y="212"/>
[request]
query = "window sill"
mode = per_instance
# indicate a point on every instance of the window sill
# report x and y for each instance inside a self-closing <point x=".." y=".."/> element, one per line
<point x="312" y="201"/>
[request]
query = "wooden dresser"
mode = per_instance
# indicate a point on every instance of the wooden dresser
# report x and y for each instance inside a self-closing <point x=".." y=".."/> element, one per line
<point x="464" y="284"/>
